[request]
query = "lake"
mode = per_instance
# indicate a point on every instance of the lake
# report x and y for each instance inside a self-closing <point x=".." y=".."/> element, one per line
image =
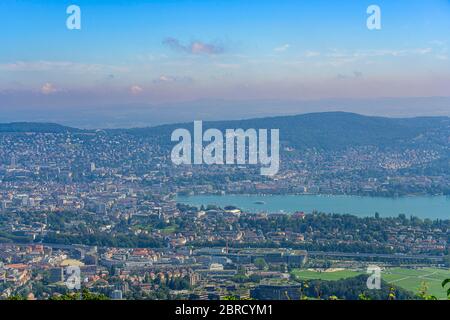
<point x="432" y="207"/>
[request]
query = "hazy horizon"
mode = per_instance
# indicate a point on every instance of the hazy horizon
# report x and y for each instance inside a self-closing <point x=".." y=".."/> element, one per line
<point x="138" y="115"/>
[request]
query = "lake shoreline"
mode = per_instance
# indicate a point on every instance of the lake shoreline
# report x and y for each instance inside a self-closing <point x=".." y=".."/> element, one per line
<point x="409" y="195"/>
<point x="433" y="207"/>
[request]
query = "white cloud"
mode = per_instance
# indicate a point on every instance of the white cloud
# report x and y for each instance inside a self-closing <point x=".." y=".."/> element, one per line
<point x="135" y="90"/>
<point x="164" y="78"/>
<point x="195" y="47"/>
<point x="379" y="53"/>
<point x="172" y="79"/>
<point x="438" y="43"/>
<point x="282" y="48"/>
<point x="48" y="88"/>
<point x="63" y="66"/>
<point x="310" y="54"/>
<point x="338" y="57"/>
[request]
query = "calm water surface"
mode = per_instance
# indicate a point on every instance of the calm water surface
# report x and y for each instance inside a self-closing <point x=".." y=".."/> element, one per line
<point x="432" y="207"/>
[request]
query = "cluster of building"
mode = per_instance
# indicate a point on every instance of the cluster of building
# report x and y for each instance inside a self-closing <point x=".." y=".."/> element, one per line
<point x="105" y="202"/>
<point x="43" y="271"/>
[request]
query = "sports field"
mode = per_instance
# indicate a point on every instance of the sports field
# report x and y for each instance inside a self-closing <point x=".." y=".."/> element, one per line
<point x="325" y="275"/>
<point x="408" y="279"/>
<point x="411" y="279"/>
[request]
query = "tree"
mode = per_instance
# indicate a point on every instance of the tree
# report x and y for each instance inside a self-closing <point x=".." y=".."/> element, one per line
<point x="391" y="295"/>
<point x="423" y="292"/>
<point x="260" y="263"/>
<point x="84" y="295"/>
<point x="362" y="296"/>
<point x="444" y="283"/>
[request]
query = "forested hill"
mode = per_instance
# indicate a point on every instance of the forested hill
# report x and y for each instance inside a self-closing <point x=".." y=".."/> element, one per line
<point x="329" y="130"/>
<point x="35" y="127"/>
<point x="335" y="130"/>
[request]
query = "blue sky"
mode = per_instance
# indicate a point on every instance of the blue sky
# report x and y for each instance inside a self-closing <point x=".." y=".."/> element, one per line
<point x="169" y="51"/>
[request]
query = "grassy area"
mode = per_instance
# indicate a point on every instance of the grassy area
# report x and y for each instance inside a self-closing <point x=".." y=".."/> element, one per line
<point x="325" y="275"/>
<point x="411" y="279"/>
<point x="169" y="230"/>
<point x="408" y="279"/>
<point x="148" y="228"/>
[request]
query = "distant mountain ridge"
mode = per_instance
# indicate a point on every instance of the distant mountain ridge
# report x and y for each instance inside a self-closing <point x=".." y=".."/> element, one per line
<point x="328" y="130"/>
<point x="36" y="127"/>
<point x="331" y="130"/>
<point x="135" y="115"/>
